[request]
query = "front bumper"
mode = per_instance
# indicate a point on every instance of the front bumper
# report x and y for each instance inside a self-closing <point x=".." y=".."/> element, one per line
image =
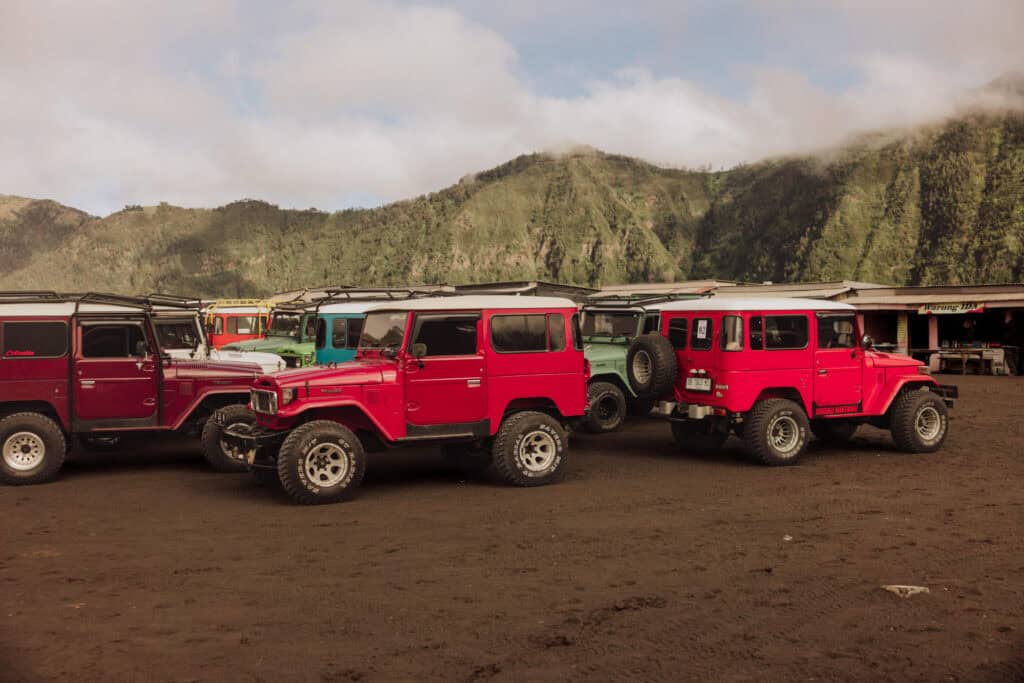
<point x="255" y="446"/>
<point x="948" y="392"/>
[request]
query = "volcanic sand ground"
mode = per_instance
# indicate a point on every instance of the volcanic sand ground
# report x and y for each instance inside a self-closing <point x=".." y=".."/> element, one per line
<point x="643" y="564"/>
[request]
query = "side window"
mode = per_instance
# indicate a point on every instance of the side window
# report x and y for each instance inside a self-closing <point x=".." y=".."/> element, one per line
<point x="652" y="323"/>
<point x="232" y="325"/>
<point x="556" y="331"/>
<point x="757" y="333"/>
<point x="110" y="341"/>
<point x="245" y="324"/>
<point x="732" y="333"/>
<point x="35" y="340"/>
<point x="519" y="333"/>
<point x="446" y="335"/>
<point x="218" y="325"/>
<point x="577" y="335"/>
<point x="677" y="333"/>
<point x="836" y="331"/>
<point x="321" y="333"/>
<point x="339" y="333"/>
<point x="785" y="332"/>
<point x="355" y="330"/>
<point x="701" y="334"/>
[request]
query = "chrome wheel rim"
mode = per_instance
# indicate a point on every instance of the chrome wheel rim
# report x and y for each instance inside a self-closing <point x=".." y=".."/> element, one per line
<point x="326" y="464"/>
<point x="928" y="423"/>
<point x="23" y="451"/>
<point x="642" y="367"/>
<point x="783" y="434"/>
<point x="537" y="451"/>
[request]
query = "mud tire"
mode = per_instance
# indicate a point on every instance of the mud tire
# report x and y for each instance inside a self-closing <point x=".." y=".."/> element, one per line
<point x="651" y="366"/>
<point x="909" y="413"/>
<point x="607" y="408"/>
<point x="529" y="449"/>
<point x="321" y="462"/>
<point x="212" y="431"/>
<point x="39" y="430"/>
<point x="765" y="426"/>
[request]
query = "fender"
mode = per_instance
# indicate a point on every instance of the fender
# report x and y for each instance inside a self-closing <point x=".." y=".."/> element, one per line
<point x="190" y="409"/>
<point x="285" y="419"/>
<point x="903" y="382"/>
<point x="43" y="407"/>
<point x="794" y="394"/>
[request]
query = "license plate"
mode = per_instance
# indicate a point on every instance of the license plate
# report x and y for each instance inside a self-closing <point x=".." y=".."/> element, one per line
<point x="698" y="384"/>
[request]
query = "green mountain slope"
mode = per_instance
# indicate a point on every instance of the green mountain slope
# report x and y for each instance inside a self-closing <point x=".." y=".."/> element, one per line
<point x="943" y="204"/>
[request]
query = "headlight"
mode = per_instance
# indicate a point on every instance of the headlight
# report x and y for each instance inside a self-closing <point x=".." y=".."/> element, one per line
<point x="923" y="370"/>
<point x="287" y="396"/>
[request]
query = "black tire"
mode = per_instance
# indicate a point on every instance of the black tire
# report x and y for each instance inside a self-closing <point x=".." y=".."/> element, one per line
<point x="212" y="431"/>
<point x="766" y="417"/>
<point x="640" y="407"/>
<point x="651" y="366"/>
<point x="529" y="449"/>
<point x="909" y="421"/>
<point x="99" y="444"/>
<point x="834" y="433"/>
<point x="321" y="462"/>
<point x="607" y="408"/>
<point x="32" y="449"/>
<point x="471" y="459"/>
<point x="262" y="476"/>
<point x="698" y="436"/>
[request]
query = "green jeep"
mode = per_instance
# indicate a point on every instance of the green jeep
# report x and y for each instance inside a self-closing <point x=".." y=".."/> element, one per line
<point x="291" y="335"/>
<point x="609" y="325"/>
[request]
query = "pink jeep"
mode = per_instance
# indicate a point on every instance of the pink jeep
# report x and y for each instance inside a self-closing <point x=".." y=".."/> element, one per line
<point x="773" y="370"/>
<point x="89" y="366"/>
<point x="495" y="380"/>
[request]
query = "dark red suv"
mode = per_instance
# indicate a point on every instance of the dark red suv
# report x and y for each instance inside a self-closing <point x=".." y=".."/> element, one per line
<point x="88" y="366"/>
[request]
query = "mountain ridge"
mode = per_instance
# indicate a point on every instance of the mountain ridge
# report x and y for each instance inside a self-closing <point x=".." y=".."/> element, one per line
<point x="937" y="204"/>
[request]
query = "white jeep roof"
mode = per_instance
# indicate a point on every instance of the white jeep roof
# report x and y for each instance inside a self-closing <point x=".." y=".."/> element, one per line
<point x="716" y="303"/>
<point x="62" y="309"/>
<point x="473" y="302"/>
<point x="355" y="306"/>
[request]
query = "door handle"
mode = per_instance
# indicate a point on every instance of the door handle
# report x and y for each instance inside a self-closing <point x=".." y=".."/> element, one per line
<point x="87" y="382"/>
<point x="472" y="383"/>
<point x="823" y="372"/>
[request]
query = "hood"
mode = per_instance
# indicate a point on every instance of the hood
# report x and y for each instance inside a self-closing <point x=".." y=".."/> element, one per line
<point x="212" y="369"/>
<point x="268" y="362"/>
<point x="881" y="359"/>
<point x="277" y="345"/>
<point x="356" y="372"/>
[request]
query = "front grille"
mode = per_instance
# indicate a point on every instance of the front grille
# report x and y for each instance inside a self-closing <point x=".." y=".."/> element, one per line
<point x="292" y="361"/>
<point x="264" y="402"/>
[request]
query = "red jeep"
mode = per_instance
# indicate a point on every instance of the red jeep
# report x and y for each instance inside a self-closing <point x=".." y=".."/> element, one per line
<point x="495" y="380"/>
<point x="89" y="366"/>
<point x="772" y="369"/>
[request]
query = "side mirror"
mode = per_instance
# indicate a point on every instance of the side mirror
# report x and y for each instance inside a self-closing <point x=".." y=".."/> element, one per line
<point x="141" y="349"/>
<point x="419" y="350"/>
<point x="866" y="342"/>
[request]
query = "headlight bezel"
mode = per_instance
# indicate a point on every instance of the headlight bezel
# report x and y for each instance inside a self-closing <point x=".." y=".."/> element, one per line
<point x="287" y="395"/>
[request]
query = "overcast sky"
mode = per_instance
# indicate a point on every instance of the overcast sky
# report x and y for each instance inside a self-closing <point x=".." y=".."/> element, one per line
<point x="335" y="104"/>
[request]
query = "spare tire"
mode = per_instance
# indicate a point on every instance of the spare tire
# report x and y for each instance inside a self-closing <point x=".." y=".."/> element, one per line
<point x="651" y="366"/>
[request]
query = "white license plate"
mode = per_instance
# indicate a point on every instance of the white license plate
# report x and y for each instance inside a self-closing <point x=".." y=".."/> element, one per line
<point x="698" y="384"/>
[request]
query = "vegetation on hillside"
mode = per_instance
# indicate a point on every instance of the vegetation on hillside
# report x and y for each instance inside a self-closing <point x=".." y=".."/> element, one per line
<point x="943" y="204"/>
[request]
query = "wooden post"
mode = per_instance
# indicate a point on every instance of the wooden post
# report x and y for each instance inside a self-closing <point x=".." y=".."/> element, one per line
<point x="933" y="332"/>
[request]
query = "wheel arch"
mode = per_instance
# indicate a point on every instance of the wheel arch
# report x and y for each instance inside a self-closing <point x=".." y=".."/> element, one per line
<point x="42" y="407"/>
<point x="903" y="386"/>
<point x="789" y="393"/>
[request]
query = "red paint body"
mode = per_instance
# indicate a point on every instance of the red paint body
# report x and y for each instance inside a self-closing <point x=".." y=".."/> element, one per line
<point x="115" y="394"/>
<point x="831" y="382"/>
<point x="223" y="328"/>
<point x="391" y="396"/>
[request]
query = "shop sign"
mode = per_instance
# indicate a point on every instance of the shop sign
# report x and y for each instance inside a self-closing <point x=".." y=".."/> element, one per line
<point x="954" y="308"/>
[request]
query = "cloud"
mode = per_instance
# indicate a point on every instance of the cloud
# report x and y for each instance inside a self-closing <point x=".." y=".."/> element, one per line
<point x="324" y="104"/>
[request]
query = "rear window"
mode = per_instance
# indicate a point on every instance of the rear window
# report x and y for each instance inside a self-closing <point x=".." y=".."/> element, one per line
<point x="35" y="340"/>
<point x="700" y="335"/>
<point x="242" y="324"/>
<point x="677" y="333"/>
<point x="785" y="332"/>
<point x="530" y="332"/>
<point x="732" y="333"/>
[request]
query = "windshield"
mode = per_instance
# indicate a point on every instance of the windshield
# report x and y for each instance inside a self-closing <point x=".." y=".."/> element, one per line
<point x="609" y="324"/>
<point x="383" y="331"/>
<point x="285" y="324"/>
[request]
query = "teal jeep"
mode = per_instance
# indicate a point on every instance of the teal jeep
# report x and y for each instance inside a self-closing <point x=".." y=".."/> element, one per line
<point x="609" y="325"/>
<point x="291" y="335"/>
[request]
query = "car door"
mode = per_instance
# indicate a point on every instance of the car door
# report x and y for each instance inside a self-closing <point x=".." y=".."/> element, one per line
<point x="838" y="365"/>
<point x="114" y="384"/>
<point x="446" y="385"/>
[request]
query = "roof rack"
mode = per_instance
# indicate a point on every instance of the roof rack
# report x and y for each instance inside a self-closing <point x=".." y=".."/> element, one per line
<point x="352" y="294"/>
<point x="30" y="297"/>
<point x="637" y="300"/>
